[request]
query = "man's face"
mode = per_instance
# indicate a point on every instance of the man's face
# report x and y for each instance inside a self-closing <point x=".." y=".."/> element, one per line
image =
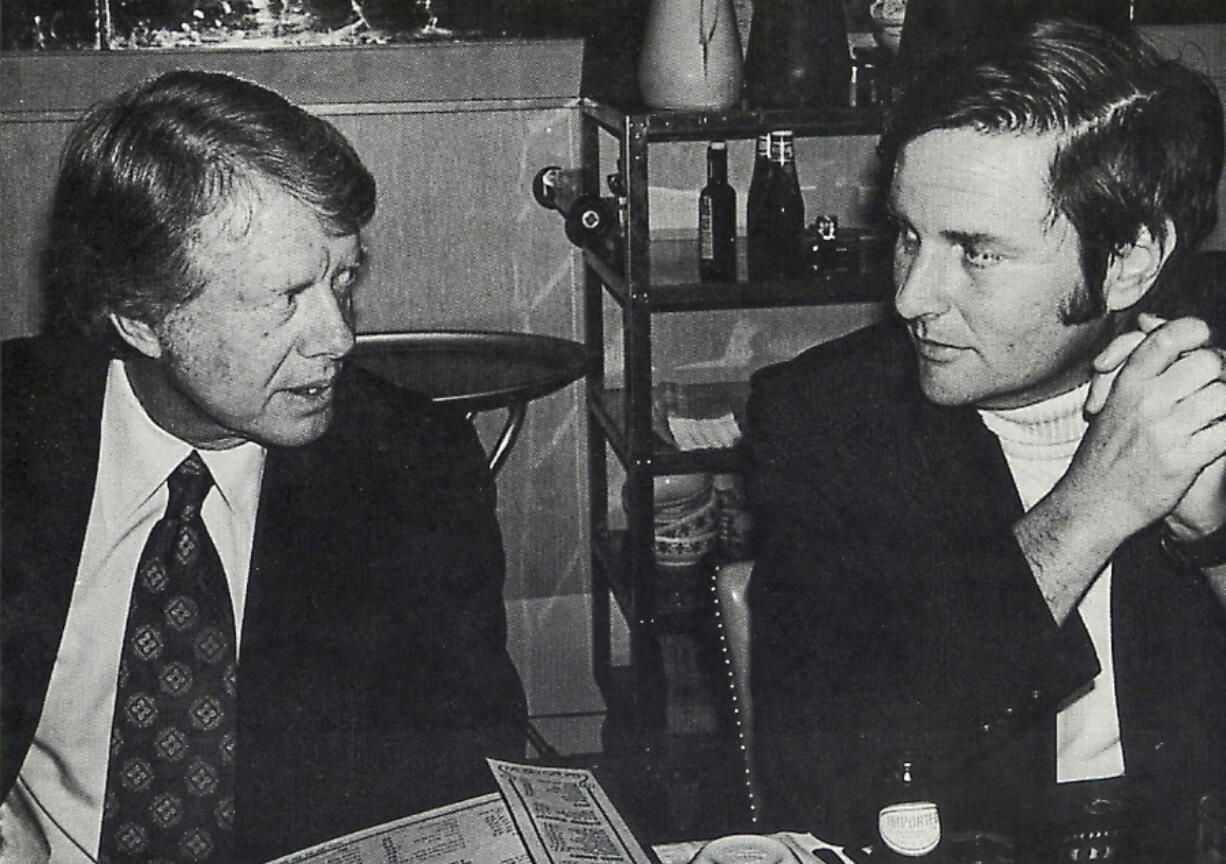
<point x="255" y="354"/>
<point x="983" y="268"/>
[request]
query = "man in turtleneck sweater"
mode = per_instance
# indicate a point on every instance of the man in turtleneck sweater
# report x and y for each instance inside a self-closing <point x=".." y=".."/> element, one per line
<point x="992" y="528"/>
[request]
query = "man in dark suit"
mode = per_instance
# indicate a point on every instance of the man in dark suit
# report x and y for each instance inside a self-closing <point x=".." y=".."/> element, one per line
<point x="206" y="235"/>
<point x="992" y="536"/>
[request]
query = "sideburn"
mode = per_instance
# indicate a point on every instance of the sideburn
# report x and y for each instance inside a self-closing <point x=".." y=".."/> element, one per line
<point x="1088" y="303"/>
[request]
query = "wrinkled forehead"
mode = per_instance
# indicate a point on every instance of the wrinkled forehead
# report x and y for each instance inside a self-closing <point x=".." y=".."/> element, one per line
<point x="262" y="232"/>
<point x="255" y="205"/>
<point x="1004" y="175"/>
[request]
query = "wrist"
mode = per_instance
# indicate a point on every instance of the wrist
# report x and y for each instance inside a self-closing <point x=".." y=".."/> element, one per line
<point x="1088" y="519"/>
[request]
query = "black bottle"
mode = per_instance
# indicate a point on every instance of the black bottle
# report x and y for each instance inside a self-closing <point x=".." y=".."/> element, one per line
<point x="909" y="820"/>
<point x="775" y="218"/>
<point x="797" y="55"/>
<point x="761" y="167"/>
<point x="717" y="219"/>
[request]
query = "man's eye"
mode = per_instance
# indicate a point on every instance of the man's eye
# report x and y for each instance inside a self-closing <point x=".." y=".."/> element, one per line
<point x="977" y="256"/>
<point x="906" y="240"/>
<point x="291" y="296"/>
<point x="345" y="280"/>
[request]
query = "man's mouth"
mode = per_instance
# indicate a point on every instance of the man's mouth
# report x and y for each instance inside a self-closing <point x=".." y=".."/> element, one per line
<point x="934" y="349"/>
<point x="313" y="390"/>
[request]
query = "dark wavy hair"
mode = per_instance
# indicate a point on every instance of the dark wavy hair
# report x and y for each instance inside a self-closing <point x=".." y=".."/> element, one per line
<point x="1139" y="136"/>
<point x="142" y="170"/>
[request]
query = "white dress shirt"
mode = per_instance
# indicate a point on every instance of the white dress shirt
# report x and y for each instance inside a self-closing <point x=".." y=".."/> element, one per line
<point x="64" y="772"/>
<point x="1039" y="442"/>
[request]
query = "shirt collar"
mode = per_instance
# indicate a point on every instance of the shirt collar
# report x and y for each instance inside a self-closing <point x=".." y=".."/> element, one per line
<point x="128" y="429"/>
<point x="1055" y="425"/>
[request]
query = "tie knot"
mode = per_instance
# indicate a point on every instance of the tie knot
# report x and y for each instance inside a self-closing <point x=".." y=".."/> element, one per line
<point x="188" y="483"/>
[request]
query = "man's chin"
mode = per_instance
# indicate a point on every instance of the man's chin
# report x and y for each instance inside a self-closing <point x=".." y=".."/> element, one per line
<point x="940" y="392"/>
<point x="297" y="433"/>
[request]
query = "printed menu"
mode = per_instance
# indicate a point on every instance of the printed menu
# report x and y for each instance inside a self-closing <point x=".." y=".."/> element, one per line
<point x="540" y="816"/>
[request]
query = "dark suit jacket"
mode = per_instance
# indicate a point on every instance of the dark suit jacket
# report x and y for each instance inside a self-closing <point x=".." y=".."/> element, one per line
<point x="374" y="675"/>
<point x="893" y="610"/>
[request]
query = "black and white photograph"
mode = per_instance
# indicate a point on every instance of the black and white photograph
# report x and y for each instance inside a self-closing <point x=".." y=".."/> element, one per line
<point x="619" y="432"/>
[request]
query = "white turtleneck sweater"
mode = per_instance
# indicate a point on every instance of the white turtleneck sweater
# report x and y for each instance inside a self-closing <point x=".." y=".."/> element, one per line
<point x="1039" y="442"/>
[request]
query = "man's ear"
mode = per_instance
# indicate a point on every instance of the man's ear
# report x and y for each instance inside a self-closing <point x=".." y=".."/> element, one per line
<point x="1132" y="270"/>
<point x="138" y="334"/>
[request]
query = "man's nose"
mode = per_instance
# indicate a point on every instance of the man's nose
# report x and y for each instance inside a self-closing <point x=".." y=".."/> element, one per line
<point x="920" y="284"/>
<point x="329" y="331"/>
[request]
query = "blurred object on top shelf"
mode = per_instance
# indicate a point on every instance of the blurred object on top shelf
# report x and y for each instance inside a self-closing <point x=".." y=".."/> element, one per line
<point x="936" y="27"/>
<point x="888" y="17"/>
<point x="797" y="55"/>
<point x="691" y="56"/>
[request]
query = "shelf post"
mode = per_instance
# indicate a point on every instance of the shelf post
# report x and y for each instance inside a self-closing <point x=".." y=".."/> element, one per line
<point x="597" y="457"/>
<point x="636" y="324"/>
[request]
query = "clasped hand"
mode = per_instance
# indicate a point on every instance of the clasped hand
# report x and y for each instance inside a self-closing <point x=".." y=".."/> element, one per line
<point x="1156" y="440"/>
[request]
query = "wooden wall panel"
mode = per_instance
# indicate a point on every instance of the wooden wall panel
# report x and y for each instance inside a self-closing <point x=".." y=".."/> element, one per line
<point x="29" y="155"/>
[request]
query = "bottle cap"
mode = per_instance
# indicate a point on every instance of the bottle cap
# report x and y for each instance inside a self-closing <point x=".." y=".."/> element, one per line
<point x="745" y="849"/>
<point x="911" y="829"/>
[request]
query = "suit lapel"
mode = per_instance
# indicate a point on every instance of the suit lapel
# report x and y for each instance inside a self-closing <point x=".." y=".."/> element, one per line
<point x="298" y="682"/>
<point x="947" y="461"/>
<point x="50" y="468"/>
<point x="964" y="470"/>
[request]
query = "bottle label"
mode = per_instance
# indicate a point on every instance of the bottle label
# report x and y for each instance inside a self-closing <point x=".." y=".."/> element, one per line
<point x="912" y="829"/>
<point x="782" y="149"/>
<point x="706" y="239"/>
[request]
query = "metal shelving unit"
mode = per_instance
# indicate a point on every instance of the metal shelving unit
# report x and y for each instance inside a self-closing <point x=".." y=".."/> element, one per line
<point x="647" y="277"/>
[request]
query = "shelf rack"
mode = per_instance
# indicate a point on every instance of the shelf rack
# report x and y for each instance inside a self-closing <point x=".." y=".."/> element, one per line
<point x="645" y="277"/>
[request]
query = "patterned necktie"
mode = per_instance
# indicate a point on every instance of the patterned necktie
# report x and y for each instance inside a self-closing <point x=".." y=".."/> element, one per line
<point x="170" y="782"/>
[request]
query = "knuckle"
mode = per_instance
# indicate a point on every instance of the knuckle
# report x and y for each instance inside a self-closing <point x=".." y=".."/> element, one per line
<point x="1205" y="364"/>
<point x="1182" y="333"/>
<point x="1195" y="329"/>
<point x="1216" y="398"/>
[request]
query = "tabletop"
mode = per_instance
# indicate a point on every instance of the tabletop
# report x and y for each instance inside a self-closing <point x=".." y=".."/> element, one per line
<point x="476" y="370"/>
<point x="473" y="369"/>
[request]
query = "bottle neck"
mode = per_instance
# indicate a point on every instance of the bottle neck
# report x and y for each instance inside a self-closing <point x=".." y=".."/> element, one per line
<point x="782" y="148"/>
<point x="906" y="772"/>
<point x="717" y="165"/>
<point x="762" y="148"/>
